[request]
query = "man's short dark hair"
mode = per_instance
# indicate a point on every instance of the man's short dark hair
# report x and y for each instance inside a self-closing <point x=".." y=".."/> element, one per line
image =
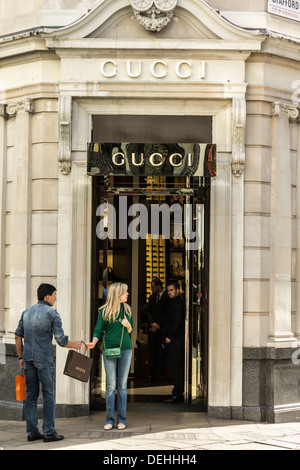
<point x="157" y="282"/>
<point x="45" y="289"/>
<point x="173" y="283"/>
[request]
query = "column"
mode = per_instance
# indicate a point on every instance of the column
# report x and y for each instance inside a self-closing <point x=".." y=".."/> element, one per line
<point x="2" y="210"/>
<point x="280" y="328"/>
<point x="297" y="325"/>
<point x="74" y="258"/>
<point x="237" y="250"/>
<point x="20" y="259"/>
<point x="219" y="380"/>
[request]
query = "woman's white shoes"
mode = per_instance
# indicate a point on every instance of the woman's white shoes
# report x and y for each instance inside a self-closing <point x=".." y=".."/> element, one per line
<point x="108" y="427"/>
<point x="120" y="427"/>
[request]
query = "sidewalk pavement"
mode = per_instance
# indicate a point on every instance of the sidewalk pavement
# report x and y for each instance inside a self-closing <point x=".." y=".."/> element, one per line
<point x="157" y="427"/>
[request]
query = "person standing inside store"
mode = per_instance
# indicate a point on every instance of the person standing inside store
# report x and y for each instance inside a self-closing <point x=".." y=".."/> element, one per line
<point x="115" y="320"/>
<point x="173" y="335"/>
<point x="37" y="326"/>
<point x="154" y="311"/>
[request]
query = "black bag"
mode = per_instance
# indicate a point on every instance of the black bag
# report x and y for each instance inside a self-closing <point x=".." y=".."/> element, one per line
<point x="78" y="366"/>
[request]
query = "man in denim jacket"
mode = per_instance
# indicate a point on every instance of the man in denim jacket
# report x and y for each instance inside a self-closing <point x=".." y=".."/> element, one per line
<point x="37" y="326"/>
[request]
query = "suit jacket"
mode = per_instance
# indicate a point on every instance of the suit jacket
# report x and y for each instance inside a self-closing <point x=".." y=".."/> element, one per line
<point x="174" y="321"/>
<point x="155" y="312"/>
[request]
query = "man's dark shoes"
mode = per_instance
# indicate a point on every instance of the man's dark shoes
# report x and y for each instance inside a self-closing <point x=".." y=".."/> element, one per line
<point x="151" y="379"/>
<point x="35" y="437"/>
<point x="53" y="437"/>
<point x="173" y="399"/>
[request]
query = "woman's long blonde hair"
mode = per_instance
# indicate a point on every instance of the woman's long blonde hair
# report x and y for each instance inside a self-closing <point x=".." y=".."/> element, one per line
<point x="111" y="309"/>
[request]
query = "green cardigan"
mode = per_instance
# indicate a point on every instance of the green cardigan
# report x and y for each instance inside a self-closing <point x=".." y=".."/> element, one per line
<point x="113" y="331"/>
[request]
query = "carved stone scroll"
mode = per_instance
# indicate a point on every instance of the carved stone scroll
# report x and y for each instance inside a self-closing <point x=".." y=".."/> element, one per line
<point x="238" y="136"/>
<point x="290" y="110"/>
<point x="21" y="105"/>
<point x="3" y="112"/>
<point x="65" y="133"/>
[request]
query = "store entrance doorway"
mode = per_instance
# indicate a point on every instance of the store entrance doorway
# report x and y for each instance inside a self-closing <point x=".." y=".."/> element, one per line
<point x="139" y="247"/>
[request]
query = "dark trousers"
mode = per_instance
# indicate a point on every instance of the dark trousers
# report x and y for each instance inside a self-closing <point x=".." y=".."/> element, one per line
<point x="176" y="364"/>
<point x="157" y="358"/>
<point x="39" y="373"/>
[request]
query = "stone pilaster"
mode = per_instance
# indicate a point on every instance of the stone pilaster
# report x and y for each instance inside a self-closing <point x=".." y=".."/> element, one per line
<point x="20" y="242"/>
<point x="297" y="326"/>
<point x="280" y="328"/>
<point x="3" y="163"/>
<point x="237" y="249"/>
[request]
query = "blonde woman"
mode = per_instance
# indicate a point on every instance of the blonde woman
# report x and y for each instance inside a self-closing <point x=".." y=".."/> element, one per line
<point x="115" y="320"/>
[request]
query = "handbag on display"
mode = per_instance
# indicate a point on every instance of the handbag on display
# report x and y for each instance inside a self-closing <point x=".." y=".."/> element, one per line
<point x="20" y="387"/>
<point x="176" y="270"/>
<point x="113" y="353"/>
<point x="177" y="243"/>
<point x="78" y="366"/>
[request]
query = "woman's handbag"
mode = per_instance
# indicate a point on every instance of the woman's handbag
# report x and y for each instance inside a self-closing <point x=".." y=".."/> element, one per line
<point x="113" y="353"/>
<point x="20" y="387"/>
<point x="78" y="366"/>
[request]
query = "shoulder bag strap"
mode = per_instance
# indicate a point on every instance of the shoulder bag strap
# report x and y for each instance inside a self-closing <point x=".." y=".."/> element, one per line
<point x="122" y="337"/>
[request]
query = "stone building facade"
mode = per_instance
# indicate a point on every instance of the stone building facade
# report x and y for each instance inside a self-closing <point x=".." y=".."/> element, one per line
<point x="64" y="62"/>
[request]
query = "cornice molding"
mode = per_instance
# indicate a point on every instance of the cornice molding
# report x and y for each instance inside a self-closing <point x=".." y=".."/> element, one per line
<point x="197" y="12"/>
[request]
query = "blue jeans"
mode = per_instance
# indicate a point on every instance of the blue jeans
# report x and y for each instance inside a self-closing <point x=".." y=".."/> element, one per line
<point x="117" y="371"/>
<point x="39" y="373"/>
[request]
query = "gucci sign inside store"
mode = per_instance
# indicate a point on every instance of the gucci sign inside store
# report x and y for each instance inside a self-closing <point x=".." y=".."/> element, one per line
<point x="140" y="159"/>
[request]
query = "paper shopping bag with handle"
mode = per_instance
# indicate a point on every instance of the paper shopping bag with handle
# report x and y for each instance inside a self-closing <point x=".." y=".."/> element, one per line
<point x="78" y="366"/>
<point x="20" y="387"/>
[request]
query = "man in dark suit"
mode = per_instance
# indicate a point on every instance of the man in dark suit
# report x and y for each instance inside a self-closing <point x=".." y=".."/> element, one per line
<point x="155" y="310"/>
<point x="173" y="336"/>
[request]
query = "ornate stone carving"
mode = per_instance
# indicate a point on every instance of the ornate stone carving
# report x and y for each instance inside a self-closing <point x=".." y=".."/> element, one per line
<point x="238" y="136"/>
<point x="21" y="105"/>
<point x="291" y="110"/>
<point x="3" y="110"/>
<point x="65" y="133"/>
<point x="153" y="15"/>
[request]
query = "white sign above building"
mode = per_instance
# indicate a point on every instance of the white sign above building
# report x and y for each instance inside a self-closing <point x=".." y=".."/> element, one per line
<point x="286" y="8"/>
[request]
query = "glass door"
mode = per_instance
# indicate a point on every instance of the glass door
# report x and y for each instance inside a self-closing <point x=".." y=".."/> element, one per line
<point x="197" y="257"/>
<point x="113" y="260"/>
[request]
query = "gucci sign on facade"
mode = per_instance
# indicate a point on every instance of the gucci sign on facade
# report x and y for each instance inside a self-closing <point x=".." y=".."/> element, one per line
<point x="153" y="15"/>
<point x="147" y="69"/>
<point x="137" y="159"/>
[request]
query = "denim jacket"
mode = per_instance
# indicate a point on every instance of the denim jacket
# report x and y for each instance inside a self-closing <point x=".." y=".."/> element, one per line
<point x="37" y="326"/>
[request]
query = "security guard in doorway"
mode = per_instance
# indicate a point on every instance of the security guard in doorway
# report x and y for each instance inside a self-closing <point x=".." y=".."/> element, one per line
<point x="155" y="310"/>
<point x="173" y="337"/>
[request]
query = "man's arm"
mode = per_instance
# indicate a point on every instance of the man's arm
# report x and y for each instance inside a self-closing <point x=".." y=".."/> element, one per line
<point x="60" y="337"/>
<point x="73" y="345"/>
<point x="19" y="347"/>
